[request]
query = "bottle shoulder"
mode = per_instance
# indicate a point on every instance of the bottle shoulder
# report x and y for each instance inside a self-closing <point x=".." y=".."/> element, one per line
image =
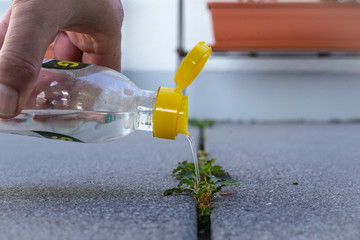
<point x="92" y="88"/>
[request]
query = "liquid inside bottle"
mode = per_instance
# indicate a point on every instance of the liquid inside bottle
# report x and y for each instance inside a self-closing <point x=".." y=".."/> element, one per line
<point x="88" y="104"/>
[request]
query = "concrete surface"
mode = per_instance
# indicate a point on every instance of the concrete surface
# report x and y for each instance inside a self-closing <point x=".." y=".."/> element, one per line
<point x="59" y="190"/>
<point x="323" y="159"/>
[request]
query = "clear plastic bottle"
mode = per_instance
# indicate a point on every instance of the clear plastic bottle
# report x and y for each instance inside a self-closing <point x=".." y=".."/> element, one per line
<point x="88" y="103"/>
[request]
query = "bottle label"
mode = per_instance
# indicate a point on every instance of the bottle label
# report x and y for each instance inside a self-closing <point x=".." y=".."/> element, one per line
<point x="57" y="136"/>
<point x="43" y="134"/>
<point x="63" y="65"/>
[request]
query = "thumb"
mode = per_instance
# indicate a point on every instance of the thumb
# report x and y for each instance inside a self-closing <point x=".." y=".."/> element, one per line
<point x="25" y="44"/>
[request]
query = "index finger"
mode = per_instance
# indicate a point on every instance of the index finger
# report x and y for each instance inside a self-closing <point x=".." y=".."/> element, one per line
<point x="27" y="38"/>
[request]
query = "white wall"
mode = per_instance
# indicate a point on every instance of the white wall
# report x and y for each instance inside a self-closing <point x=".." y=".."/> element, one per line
<point x="150" y="32"/>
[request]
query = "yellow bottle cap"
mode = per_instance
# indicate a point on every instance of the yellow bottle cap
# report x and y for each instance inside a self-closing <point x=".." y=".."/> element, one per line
<point x="192" y="65"/>
<point x="171" y="107"/>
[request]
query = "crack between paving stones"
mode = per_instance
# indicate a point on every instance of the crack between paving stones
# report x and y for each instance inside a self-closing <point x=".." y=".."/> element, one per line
<point x="204" y="223"/>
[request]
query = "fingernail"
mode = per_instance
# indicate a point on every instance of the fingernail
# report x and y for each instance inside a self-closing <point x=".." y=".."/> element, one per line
<point x="8" y="101"/>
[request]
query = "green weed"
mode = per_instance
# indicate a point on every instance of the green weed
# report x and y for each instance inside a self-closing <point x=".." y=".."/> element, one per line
<point x="212" y="179"/>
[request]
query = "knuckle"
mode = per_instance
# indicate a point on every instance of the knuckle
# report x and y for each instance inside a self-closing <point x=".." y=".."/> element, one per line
<point x="17" y="70"/>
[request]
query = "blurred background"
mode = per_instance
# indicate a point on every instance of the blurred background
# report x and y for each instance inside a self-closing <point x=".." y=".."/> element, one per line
<point x="242" y="84"/>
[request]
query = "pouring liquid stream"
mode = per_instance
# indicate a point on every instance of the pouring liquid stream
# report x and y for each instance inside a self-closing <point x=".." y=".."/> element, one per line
<point x="195" y="158"/>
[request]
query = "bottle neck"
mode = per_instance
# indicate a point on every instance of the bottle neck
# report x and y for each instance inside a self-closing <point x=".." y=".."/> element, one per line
<point x="145" y="109"/>
<point x="146" y="101"/>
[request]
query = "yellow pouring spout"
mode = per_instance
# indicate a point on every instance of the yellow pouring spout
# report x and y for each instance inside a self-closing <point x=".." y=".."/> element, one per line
<point x="171" y="107"/>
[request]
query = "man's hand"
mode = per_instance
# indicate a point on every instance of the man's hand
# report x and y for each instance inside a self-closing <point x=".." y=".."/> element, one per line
<point x="88" y="31"/>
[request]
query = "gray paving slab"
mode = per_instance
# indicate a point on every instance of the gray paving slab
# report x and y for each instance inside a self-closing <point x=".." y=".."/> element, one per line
<point x="59" y="190"/>
<point x="323" y="159"/>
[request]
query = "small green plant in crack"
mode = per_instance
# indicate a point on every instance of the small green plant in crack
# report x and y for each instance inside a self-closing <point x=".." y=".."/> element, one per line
<point x="212" y="179"/>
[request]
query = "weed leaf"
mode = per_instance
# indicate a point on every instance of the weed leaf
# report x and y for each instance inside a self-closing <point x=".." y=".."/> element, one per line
<point x="216" y="168"/>
<point x="221" y="174"/>
<point x="189" y="175"/>
<point x="176" y="170"/>
<point x="201" y="123"/>
<point x="187" y="182"/>
<point x="213" y="180"/>
<point x="207" y="167"/>
<point x="183" y="164"/>
<point x="171" y="191"/>
<point x="191" y="167"/>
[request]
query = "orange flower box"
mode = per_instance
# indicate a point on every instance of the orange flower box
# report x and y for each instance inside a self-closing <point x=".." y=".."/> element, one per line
<point x="293" y="26"/>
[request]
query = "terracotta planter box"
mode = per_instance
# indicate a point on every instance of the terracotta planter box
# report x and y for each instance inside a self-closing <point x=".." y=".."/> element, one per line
<point x="286" y="26"/>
